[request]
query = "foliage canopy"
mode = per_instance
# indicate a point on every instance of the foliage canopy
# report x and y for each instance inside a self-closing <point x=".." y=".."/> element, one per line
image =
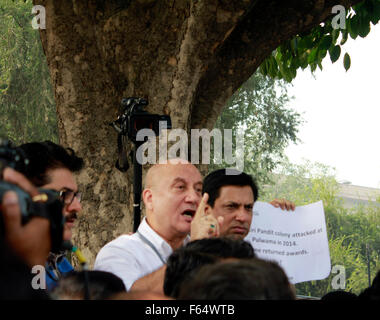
<point x="309" y="49"/>
<point x="261" y="108"/>
<point x="26" y="97"/>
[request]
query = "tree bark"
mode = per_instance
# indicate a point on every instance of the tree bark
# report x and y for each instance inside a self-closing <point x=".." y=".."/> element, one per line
<point x="186" y="57"/>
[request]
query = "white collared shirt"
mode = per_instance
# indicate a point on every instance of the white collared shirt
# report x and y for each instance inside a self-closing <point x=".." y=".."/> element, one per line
<point x="130" y="258"/>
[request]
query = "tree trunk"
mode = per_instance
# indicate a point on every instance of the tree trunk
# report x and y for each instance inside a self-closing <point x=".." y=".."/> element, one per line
<point x="185" y="57"/>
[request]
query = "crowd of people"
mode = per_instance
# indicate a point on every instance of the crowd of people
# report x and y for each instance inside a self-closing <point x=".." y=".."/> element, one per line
<point x="190" y="244"/>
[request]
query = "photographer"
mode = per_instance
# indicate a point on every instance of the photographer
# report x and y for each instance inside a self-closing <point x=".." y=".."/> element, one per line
<point x="30" y="242"/>
<point x="51" y="167"/>
<point x="21" y="245"/>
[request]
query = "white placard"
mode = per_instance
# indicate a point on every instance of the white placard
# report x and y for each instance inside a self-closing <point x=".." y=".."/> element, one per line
<point x="297" y="240"/>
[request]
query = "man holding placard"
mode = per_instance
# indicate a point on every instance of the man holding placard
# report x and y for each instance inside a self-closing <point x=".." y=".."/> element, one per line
<point x="297" y="240"/>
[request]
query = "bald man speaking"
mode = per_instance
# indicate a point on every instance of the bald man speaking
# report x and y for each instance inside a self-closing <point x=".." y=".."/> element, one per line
<point x="175" y="214"/>
<point x="171" y="196"/>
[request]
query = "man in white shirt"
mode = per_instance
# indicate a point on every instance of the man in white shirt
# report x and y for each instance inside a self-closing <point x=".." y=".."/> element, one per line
<point x="171" y="196"/>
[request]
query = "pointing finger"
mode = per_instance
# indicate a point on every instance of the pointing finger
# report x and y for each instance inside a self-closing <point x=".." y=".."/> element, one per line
<point x="220" y="224"/>
<point x="201" y="208"/>
<point x="11" y="212"/>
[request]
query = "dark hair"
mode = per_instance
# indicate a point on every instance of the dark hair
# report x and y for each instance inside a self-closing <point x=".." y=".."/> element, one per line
<point x="102" y="285"/>
<point x="215" y="180"/>
<point x="183" y="262"/>
<point x="179" y="265"/>
<point x="222" y="247"/>
<point x="373" y="291"/>
<point x="47" y="155"/>
<point x="339" y="295"/>
<point x="252" y="279"/>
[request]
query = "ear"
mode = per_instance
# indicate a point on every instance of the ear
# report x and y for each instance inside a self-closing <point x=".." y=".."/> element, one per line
<point x="147" y="196"/>
<point x="208" y="209"/>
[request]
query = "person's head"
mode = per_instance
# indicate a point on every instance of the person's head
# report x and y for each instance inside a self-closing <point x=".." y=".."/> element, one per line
<point x="373" y="291"/>
<point x="184" y="262"/>
<point x="51" y="167"/>
<point x="231" y="196"/>
<point x="252" y="279"/>
<point x="101" y="285"/>
<point x="222" y="247"/>
<point x="179" y="266"/>
<point x="171" y="196"/>
<point x="339" y="295"/>
<point x="139" y="295"/>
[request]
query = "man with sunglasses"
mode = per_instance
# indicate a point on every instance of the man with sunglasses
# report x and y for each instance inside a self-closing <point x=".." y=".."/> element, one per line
<point x="51" y="167"/>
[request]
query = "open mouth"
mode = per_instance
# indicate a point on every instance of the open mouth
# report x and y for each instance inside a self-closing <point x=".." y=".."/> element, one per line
<point x="189" y="214"/>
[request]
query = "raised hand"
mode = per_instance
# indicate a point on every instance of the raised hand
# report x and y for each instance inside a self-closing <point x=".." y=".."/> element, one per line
<point x="204" y="224"/>
<point x="283" y="204"/>
<point x="31" y="241"/>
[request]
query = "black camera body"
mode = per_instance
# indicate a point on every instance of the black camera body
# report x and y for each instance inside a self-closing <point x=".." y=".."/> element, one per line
<point x="49" y="206"/>
<point x="134" y="118"/>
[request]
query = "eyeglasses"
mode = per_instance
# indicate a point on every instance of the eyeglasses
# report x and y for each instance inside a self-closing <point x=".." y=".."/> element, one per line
<point x="67" y="196"/>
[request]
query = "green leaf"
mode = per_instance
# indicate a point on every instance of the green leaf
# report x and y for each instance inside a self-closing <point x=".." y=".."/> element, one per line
<point x="353" y="26"/>
<point x="344" y="37"/>
<point x="326" y="42"/>
<point x="321" y="55"/>
<point x="364" y="28"/>
<point x="368" y="6"/>
<point x="295" y="64"/>
<point x="376" y="12"/>
<point x="303" y="64"/>
<point x="264" y="67"/>
<point x="294" y="46"/>
<point x="335" y="34"/>
<point x="286" y="73"/>
<point x="335" y="53"/>
<point x="293" y="72"/>
<point x="273" y="67"/>
<point x="312" y="55"/>
<point x="305" y="43"/>
<point x="347" y="61"/>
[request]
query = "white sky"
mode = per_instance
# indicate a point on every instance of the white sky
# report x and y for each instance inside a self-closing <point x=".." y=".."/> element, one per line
<point x="342" y="113"/>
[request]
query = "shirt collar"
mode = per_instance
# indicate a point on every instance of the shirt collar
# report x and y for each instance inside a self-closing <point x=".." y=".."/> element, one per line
<point x="159" y="243"/>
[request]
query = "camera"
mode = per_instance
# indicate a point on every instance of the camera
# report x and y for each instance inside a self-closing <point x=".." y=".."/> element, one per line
<point x="48" y="206"/>
<point x="134" y="118"/>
